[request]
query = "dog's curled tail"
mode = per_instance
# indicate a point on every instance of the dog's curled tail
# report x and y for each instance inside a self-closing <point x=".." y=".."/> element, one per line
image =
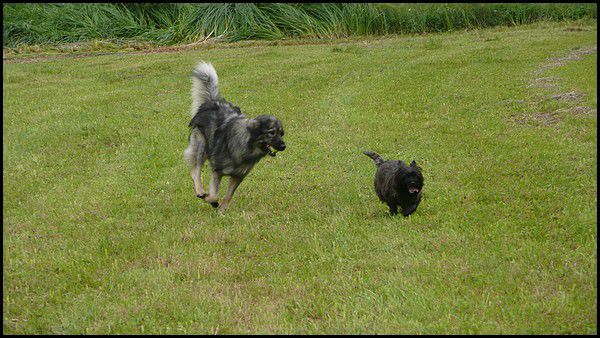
<point x="375" y="156"/>
<point x="205" y="85"/>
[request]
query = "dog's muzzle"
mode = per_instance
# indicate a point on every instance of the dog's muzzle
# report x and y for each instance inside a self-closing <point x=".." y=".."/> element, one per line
<point x="278" y="147"/>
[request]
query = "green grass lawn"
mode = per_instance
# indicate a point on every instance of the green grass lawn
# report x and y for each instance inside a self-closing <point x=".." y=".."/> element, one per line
<point x="102" y="232"/>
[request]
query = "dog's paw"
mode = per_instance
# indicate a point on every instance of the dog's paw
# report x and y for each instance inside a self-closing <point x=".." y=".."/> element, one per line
<point x="202" y="196"/>
<point x="408" y="211"/>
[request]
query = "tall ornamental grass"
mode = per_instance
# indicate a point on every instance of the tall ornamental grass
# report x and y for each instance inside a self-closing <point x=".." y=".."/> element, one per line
<point x="175" y="23"/>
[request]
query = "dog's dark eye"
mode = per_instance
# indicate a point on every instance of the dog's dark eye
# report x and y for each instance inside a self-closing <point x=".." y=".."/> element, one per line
<point x="271" y="133"/>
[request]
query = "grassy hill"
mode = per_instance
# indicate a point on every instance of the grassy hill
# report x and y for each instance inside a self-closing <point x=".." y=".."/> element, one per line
<point x="102" y="232"/>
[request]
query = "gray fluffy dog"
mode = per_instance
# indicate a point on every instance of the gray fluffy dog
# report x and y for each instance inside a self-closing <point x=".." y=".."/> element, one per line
<point x="230" y="141"/>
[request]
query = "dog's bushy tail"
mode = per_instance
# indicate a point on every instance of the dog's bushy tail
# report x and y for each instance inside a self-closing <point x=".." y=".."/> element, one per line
<point x="375" y="156"/>
<point x="205" y="85"/>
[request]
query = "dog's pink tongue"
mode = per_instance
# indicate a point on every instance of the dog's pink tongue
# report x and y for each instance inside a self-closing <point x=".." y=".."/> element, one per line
<point x="413" y="190"/>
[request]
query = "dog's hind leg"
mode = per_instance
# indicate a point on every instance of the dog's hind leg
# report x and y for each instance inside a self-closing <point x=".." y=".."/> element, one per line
<point x="234" y="182"/>
<point x="213" y="189"/>
<point x="197" y="177"/>
<point x="195" y="156"/>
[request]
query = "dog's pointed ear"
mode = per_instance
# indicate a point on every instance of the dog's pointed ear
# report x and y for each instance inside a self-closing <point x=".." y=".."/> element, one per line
<point x="413" y="164"/>
<point x="253" y="125"/>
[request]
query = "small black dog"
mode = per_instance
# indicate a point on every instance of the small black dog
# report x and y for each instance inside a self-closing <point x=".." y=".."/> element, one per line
<point x="397" y="184"/>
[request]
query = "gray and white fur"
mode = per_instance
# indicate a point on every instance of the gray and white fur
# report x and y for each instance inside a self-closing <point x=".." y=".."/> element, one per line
<point x="230" y="141"/>
<point x="205" y="85"/>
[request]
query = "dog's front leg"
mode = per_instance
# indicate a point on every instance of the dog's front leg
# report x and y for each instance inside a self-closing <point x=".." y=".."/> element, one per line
<point x="393" y="209"/>
<point x="409" y="210"/>
<point x="234" y="182"/>
<point x="213" y="189"/>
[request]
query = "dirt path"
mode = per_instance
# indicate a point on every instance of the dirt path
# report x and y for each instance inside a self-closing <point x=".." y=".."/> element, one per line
<point x="207" y="44"/>
<point x="551" y="83"/>
<point x="75" y="55"/>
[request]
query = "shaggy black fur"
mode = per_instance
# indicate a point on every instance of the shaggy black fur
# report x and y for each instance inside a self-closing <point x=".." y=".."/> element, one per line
<point x="398" y="184"/>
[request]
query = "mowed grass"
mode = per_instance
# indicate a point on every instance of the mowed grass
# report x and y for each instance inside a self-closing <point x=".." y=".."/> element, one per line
<point x="102" y="232"/>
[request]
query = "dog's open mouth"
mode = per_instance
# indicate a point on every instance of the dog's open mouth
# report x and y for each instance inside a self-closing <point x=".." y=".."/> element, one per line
<point x="413" y="190"/>
<point x="270" y="150"/>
